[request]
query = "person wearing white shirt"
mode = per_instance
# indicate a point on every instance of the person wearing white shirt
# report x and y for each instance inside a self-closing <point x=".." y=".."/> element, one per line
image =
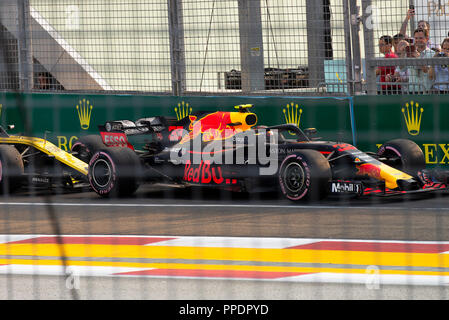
<point x="440" y="73"/>
<point x="419" y="81"/>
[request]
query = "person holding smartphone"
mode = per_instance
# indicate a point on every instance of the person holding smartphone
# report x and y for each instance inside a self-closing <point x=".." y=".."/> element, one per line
<point x="401" y="73"/>
<point x="422" y="24"/>
<point x="440" y="73"/>
<point x="419" y="81"/>
<point x="385" y="73"/>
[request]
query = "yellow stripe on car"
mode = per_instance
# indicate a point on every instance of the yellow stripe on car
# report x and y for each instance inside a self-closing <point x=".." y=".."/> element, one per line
<point x="50" y="149"/>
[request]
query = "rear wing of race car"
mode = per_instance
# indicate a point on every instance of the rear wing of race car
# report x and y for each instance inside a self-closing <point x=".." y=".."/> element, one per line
<point x="115" y="133"/>
<point x="140" y="126"/>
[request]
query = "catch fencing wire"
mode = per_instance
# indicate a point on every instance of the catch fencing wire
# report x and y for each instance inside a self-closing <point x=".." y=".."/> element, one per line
<point x="126" y="47"/>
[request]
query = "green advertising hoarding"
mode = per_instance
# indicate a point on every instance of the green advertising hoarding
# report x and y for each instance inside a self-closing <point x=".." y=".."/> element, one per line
<point x="422" y="119"/>
<point x="63" y="118"/>
<point x="366" y="121"/>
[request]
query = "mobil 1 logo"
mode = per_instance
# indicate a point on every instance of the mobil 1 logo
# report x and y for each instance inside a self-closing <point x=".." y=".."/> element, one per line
<point x="344" y="187"/>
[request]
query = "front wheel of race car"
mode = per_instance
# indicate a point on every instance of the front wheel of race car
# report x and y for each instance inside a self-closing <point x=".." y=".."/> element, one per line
<point x="404" y="155"/>
<point x="304" y="176"/>
<point x="114" y="172"/>
<point x="11" y="169"/>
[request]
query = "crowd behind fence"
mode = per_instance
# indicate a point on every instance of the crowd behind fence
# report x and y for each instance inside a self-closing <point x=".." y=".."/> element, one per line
<point x="230" y="47"/>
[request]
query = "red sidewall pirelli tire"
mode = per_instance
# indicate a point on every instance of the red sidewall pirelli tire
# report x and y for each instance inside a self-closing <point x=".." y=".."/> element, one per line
<point x="85" y="147"/>
<point x="114" y="172"/>
<point x="11" y="169"/>
<point x="410" y="154"/>
<point x="304" y="175"/>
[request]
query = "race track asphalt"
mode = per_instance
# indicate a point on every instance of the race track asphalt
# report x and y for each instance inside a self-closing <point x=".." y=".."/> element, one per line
<point x="161" y="210"/>
<point x="165" y="211"/>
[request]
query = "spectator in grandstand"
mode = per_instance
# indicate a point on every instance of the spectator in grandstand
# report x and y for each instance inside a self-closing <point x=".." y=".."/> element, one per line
<point x="396" y="39"/>
<point x="440" y="73"/>
<point x="408" y="16"/>
<point x="422" y="24"/>
<point x="401" y="73"/>
<point x="385" y="47"/>
<point x="42" y="82"/>
<point x="419" y="81"/>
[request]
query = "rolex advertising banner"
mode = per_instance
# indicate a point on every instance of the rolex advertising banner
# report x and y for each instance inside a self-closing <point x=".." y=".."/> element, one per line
<point x="421" y="118"/>
<point x="63" y="118"/>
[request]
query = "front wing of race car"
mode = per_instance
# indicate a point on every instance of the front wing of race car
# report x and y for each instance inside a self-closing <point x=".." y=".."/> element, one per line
<point x="431" y="182"/>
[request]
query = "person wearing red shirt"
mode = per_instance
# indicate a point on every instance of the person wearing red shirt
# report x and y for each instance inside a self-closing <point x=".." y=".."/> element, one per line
<point x="386" y="73"/>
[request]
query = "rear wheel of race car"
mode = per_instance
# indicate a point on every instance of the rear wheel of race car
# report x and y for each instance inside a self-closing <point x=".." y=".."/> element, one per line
<point x="404" y="155"/>
<point x="114" y="172"/>
<point x="85" y="147"/>
<point x="304" y="176"/>
<point x="11" y="169"/>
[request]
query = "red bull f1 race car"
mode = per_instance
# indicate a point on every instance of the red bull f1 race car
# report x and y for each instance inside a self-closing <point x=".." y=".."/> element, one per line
<point x="229" y="150"/>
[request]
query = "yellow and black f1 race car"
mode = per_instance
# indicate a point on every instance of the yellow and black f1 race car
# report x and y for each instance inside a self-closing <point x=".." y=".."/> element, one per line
<point x="31" y="161"/>
<point x="227" y="150"/>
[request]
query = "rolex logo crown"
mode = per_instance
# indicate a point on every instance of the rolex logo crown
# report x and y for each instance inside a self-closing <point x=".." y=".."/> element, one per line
<point x="84" y="109"/>
<point x="183" y="110"/>
<point x="292" y="114"/>
<point x="412" y="115"/>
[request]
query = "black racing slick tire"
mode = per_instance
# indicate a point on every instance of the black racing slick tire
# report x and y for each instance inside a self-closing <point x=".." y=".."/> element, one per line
<point x="114" y="172"/>
<point x="304" y="175"/>
<point x="85" y="147"/>
<point x="404" y="155"/>
<point x="11" y="169"/>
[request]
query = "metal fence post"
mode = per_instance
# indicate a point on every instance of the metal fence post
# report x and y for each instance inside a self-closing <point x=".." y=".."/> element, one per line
<point x="177" y="50"/>
<point x="251" y="45"/>
<point x="355" y="44"/>
<point x="349" y="64"/>
<point x="24" y="46"/>
<point x="315" y="39"/>
<point x="368" y="35"/>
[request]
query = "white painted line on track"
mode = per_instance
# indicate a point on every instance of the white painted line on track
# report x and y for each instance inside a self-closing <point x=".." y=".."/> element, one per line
<point x="212" y="205"/>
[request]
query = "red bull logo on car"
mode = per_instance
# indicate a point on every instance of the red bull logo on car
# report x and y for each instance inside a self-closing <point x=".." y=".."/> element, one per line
<point x="219" y="125"/>
<point x="370" y="170"/>
<point x="205" y="173"/>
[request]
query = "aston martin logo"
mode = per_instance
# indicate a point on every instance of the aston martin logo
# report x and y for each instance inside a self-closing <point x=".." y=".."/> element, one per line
<point x="412" y="116"/>
<point x="292" y="113"/>
<point x="84" y="109"/>
<point x="182" y="110"/>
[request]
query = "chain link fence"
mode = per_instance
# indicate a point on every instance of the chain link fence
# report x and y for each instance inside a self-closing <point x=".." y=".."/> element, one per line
<point x="224" y="47"/>
<point x="177" y="47"/>
<point x="413" y="32"/>
<point x="180" y="48"/>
